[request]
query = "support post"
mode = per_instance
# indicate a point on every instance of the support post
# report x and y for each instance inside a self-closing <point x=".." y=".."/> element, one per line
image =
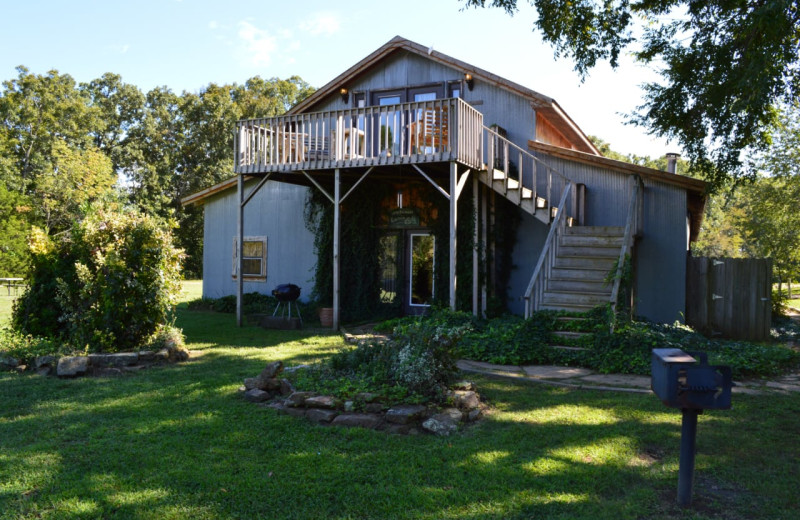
<point x="475" y="214"/>
<point x="688" y="447"/>
<point x="336" y="228"/>
<point x="485" y="259"/>
<point x="453" y="224"/>
<point x="239" y="246"/>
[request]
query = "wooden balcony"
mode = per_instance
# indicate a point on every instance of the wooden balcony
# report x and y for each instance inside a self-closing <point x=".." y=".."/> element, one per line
<point x="406" y="133"/>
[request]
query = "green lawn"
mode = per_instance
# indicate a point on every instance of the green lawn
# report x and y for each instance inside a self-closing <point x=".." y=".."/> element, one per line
<point x="180" y="442"/>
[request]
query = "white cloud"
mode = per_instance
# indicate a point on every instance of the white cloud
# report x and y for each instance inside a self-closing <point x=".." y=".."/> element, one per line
<point x="258" y="45"/>
<point x="213" y="24"/>
<point x="322" y="23"/>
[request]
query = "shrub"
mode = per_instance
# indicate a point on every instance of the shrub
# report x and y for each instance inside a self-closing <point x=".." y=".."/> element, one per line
<point x="25" y="347"/>
<point x="415" y="365"/>
<point x="108" y="285"/>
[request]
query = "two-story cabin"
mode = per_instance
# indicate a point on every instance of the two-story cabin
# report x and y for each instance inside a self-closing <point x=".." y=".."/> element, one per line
<point x="407" y="117"/>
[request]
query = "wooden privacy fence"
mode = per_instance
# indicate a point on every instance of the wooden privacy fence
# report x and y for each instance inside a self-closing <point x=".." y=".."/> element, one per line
<point x="731" y="297"/>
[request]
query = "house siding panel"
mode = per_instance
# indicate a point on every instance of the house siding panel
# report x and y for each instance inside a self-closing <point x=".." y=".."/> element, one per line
<point x="511" y="111"/>
<point x="276" y="212"/>
<point x="661" y="252"/>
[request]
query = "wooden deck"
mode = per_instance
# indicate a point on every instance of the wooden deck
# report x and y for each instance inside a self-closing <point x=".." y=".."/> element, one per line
<point x="408" y="133"/>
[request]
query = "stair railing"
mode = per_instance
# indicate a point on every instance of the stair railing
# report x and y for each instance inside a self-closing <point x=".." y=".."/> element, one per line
<point x="535" y="291"/>
<point x="504" y="155"/>
<point x="633" y="228"/>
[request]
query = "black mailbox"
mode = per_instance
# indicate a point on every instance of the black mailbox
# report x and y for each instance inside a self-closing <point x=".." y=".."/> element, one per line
<point x="680" y="381"/>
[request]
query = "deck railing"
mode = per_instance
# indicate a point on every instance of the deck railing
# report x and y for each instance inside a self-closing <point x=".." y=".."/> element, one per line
<point x="429" y="131"/>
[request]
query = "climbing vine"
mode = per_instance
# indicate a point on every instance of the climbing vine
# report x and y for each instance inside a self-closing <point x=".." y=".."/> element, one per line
<point x="364" y="218"/>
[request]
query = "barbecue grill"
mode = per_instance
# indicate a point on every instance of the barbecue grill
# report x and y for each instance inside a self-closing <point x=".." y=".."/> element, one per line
<point x="286" y="294"/>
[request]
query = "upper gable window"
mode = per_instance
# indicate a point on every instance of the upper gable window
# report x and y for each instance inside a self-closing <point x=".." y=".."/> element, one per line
<point x="454" y="89"/>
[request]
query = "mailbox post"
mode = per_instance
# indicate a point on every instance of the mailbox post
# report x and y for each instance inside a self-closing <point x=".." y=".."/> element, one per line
<point x="681" y="381"/>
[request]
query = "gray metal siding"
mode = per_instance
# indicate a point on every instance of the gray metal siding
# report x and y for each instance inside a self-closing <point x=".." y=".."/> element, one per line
<point x="660" y="253"/>
<point x="498" y="106"/>
<point x="276" y="212"/>
<point x="531" y="235"/>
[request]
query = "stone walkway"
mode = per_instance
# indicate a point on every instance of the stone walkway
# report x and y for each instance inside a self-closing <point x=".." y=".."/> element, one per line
<point x="574" y="377"/>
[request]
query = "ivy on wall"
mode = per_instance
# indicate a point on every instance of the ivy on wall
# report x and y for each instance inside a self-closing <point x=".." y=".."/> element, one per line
<point x="364" y="218"/>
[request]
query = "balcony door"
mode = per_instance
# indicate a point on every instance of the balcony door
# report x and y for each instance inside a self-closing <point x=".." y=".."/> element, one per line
<point x="391" y="126"/>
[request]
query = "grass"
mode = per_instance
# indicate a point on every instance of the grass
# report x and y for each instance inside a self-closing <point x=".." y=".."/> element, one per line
<point x="179" y="442"/>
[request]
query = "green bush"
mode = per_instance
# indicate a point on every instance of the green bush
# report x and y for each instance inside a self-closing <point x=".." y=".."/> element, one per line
<point x="416" y="365"/>
<point x="25" y="347"/>
<point x="107" y="286"/>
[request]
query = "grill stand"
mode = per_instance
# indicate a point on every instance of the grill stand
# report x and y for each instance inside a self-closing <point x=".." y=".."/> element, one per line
<point x="287" y="307"/>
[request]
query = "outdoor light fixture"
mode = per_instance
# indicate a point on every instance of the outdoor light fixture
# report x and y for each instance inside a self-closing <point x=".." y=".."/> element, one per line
<point x="400" y="199"/>
<point x="344" y="92"/>
<point x="470" y="81"/>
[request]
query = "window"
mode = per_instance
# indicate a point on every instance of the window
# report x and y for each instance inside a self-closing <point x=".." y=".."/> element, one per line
<point x="254" y="258"/>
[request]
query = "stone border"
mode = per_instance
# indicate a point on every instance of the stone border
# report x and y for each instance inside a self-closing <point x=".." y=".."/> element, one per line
<point x="98" y="364"/>
<point x="364" y="410"/>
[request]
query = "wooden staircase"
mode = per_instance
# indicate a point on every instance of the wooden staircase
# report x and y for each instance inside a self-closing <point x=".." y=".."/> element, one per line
<point x="576" y="260"/>
<point x="583" y="260"/>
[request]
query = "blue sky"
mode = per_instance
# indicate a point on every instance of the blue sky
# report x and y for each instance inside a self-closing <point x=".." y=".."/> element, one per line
<point x="187" y="44"/>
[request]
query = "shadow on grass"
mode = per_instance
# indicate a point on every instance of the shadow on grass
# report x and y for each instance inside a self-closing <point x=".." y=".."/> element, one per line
<point x="179" y="441"/>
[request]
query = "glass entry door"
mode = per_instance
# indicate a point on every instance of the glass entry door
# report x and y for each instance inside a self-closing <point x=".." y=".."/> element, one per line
<point x="421" y="248"/>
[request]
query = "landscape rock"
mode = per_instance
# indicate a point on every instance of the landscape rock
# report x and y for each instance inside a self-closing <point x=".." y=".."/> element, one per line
<point x="256" y="396"/>
<point x="8" y="362"/>
<point x="349" y="406"/>
<point x="45" y="361"/>
<point x="121" y="359"/>
<point x="466" y="400"/>
<point x="464" y="385"/>
<point x="46" y="370"/>
<point x="358" y="420"/>
<point x="321" y="416"/>
<point x="147" y="355"/>
<point x="440" y="424"/>
<point x="454" y="413"/>
<point x="404" y="413"/>
<point x="321" y="401"/>
<point x="295" y="412"/>
<point x="298" y="398"/>
<point x="373" y="407"/>
<point x="272" y="370"/>
<point x="254" y="382"/>
<point x="72" y="366"/>
<point x="365" y="397"/>
<point x="277" y="406"/>
<point x="286" y="387"/>
<point x="474" y="415"/>
<point x="399" y="429"/>
<point x="161" y="355"/>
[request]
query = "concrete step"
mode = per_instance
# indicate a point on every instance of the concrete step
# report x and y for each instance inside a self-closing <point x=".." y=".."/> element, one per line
<point x="591" y="241"/>
<point x="569" y="349"/>
<point x="578" y="274"/>
<point x="569" y="298"/>
<point x="572" y="307"/>
<point x="598" y="263"/>
<point x="589" y="251"/>
<point x="596" y="230"/>
<point x="595" y="286"/>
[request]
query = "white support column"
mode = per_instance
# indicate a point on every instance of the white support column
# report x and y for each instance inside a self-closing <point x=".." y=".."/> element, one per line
<point x="239" y="246"/>
<point x="453" y="225"/>
<point x="475" y="289"/>
<point x="336" y="228"/>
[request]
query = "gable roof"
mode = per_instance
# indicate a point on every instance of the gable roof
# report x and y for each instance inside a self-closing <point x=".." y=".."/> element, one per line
<point x="544" y="105"/>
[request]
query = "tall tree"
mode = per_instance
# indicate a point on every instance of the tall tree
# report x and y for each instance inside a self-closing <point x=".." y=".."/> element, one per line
<point x="36" y="111"/>
<point x="724" y="64"/>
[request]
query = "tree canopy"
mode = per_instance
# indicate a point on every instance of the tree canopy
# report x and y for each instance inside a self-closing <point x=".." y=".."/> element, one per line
<point x="724" y="64"/>
<point x="64" y="145"/>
